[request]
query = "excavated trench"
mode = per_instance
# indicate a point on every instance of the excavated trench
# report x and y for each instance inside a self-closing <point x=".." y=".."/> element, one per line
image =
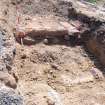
<point x="53" y="62"/>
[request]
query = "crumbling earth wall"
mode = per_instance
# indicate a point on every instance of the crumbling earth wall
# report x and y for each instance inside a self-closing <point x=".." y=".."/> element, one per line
<point x="93" y="18"/>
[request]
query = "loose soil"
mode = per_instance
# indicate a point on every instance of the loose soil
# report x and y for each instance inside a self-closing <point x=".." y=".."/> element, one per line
<point x="55" y="74"/>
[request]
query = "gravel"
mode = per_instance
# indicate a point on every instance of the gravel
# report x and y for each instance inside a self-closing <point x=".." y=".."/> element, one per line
<point x="7" y="49"/>
<point x="9" y="97"/>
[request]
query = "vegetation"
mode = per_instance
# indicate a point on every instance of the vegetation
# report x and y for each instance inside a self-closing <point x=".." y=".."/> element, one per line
<point x="96" y="1"/>
<point x="92" y="1"/>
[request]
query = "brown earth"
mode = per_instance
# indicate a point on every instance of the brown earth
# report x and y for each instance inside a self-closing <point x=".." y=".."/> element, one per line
<point x="65" y="69"/>
<point x="55" y="69"/>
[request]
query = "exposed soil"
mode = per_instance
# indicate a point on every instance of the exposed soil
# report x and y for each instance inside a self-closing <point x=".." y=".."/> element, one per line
<point x="65" y="69"/>
<point x="60" y="73"/>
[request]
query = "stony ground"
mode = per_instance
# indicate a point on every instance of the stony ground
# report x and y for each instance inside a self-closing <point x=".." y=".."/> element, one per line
<point x="66" y="70"/>
<point x="59" y="73"/>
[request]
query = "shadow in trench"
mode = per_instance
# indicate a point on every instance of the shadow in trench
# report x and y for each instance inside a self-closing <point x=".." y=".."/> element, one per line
<point x="96" y="61"/>
<point x="72" y="41"/>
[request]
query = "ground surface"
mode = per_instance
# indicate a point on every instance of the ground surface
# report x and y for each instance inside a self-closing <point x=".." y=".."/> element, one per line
<point x="54" y="74"/>
<point x="65" y="69"/>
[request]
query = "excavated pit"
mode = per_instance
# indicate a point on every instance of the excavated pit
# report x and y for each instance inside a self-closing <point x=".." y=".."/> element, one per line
<point x="51" y="64"/>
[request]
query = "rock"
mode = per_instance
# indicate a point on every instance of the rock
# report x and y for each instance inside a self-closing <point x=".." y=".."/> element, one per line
<point x="2" y="66"/>
<point x="55" y="66"/>
<point x="50" y="102"/>
<point x="80" y="79"/>
<point x="28" y="40"/>
<point x="9" y="97"/>
<point x="8" y="79"/>
<point x="42" y="94"/>
<point x="45" y="41"/>
<point x="97" y="74"/>
<point x="23" y="56"/>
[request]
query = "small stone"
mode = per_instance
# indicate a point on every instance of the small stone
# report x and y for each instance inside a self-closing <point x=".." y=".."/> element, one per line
<point x="45" y="41"/>
<point x="23" y="56"/>
<point x="55" y="66"/>
<point x="14" y="51"/>
<point x="28" y="40"/>
<point x="50" y="102"/>
<point x="97" y="74"/>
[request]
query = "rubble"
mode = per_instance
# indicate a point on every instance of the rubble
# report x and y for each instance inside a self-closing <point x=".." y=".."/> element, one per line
<point x="9" y="97"/>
